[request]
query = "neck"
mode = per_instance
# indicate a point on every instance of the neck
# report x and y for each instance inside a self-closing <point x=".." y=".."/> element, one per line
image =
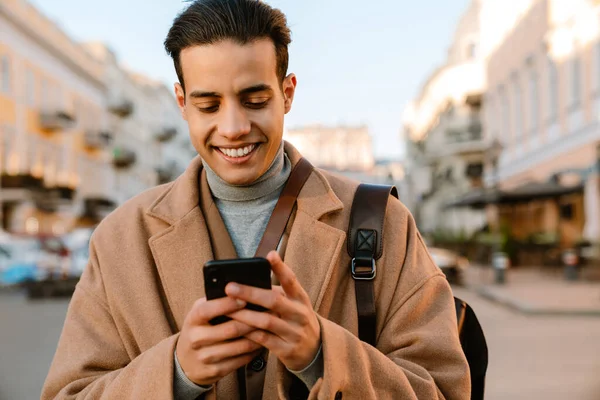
<point x="273" y="179"/>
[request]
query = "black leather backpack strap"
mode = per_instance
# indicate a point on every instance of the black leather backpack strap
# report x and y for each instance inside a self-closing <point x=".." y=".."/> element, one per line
<point x="365" y="247"/>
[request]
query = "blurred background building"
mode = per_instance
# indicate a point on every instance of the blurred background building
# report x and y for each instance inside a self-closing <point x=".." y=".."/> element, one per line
<point x="80" y="133"/>
<point x="445" y="137"/>
<point x="339" y="148"/>
<point x="504" y="136"/>
<point x="346" y="150"/>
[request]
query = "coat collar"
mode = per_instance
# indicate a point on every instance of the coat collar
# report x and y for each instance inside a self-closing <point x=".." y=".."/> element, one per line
<point x="182" y="196"/>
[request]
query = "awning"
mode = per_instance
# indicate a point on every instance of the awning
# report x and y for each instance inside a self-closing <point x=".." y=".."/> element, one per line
<point x="538" y="191"/>
<point x="95" y="209"/>
<point x="530" y="191"/>
<point x="476" y="198"/>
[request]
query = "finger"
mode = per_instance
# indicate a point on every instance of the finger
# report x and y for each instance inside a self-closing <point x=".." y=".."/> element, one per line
<point x="269" y="323"/>
<point x="204" y="310"/>
<point x="225" y="367"/>
<point x="206" y="335"/>
<point x="270" y="299"/>
<point x="286" y="276"/>
<point x="223" y="351"/>
<point x="278" y="289"/>
<point x="269" y="341"/>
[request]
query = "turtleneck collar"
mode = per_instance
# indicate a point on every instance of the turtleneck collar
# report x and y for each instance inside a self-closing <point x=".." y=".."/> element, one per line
<point x="273" y="179"/>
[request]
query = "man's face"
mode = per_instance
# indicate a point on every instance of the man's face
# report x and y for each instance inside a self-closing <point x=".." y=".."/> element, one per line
<point x="235" y="106"/>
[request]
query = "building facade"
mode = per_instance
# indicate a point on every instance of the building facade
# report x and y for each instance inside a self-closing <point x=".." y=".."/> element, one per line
<point x="543" y="104"/>
<point x="79" y="133"/>
<point x="52" y="116"/>
<point x="340" y="148"/>
<point x="445" y="140"/>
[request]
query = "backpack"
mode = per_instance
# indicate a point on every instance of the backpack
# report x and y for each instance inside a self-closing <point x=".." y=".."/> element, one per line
<point x="365" y="247"/>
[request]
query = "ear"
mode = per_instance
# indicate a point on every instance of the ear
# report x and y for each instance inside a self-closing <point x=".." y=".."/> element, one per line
<point x="180" y="95"/>
<point x="289" y="89"/>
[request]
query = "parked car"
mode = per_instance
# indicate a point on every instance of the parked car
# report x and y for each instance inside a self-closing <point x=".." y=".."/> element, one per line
<point x="451" y="263"/>
<point x="19" y="259"/>
<point x="78" y="242"/>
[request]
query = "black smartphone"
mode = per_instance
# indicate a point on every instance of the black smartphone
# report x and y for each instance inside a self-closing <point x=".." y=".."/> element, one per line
<point x="245" y="271"/>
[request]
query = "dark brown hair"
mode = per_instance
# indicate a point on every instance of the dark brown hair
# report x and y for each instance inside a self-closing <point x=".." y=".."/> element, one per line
<point x="210" y="21"/>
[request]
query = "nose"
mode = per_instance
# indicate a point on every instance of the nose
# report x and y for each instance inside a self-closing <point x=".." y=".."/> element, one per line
<point x="234" y="122"/>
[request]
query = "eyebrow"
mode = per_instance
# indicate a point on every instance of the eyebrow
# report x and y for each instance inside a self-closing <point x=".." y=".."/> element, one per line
<point x="261" y="87"/>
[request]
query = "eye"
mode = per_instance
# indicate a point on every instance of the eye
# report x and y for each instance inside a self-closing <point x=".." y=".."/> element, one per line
<point x="208" y="110"/>
<point x="256" y="104"/>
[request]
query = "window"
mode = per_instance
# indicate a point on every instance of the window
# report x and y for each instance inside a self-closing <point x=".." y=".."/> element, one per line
<point x="552" y="90"/>
<point x="63" y="164"/>
<point x="505" y="112"/>
<point x="45" y="100"/>
<point x="30" y="88"/>
<point x="7" y="145"/>
<point x="533" y="99"/>
<point x="518" y="106"/>
<point x="575" y="81"/>
<point x="5" y="72"/>
<point x="490" y="107"/>
<point x="471" y="51"/>
<point x="597" y="67"/>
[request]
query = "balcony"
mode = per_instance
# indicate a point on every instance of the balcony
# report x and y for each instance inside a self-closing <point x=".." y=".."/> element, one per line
<point x="21" y="181"/>
<point x="18" y="188"/>
<point x="96" y="208"/>
<point x="123" y="158"/>
<point x="167" y="174"/>
<point x="52" y="198"/>
<point x="98" y="140"/>
<point x="56" y="120"/>
<point x="121" y="107"/>
<point x="166" y="135"/>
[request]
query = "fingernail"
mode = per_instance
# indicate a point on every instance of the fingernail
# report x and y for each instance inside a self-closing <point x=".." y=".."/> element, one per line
<point x="232" y="288"/>
<point x="240" y="303"/>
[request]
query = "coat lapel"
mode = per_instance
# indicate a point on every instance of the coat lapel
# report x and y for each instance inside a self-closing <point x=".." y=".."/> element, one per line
<point x="181" y="250"/>
<point x="314" y="247"/>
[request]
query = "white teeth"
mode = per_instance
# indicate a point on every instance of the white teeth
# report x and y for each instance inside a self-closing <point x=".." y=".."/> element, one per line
<point x="240" y="152"/>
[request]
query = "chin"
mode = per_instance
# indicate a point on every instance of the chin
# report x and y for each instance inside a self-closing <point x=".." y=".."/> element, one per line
<point x="239" y="179"/>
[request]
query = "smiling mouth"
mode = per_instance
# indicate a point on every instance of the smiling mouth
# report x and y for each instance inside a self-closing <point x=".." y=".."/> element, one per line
<point x="237" y="152"/>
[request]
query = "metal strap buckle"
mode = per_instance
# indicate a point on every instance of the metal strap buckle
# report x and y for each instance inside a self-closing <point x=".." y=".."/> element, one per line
<point x="364" y="275"/>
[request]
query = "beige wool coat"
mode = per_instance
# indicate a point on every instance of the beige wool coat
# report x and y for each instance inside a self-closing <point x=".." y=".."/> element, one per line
<point x="145" y="272"/>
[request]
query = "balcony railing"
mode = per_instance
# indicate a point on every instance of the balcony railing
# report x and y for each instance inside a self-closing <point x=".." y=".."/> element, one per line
<point x="123" y="158"/>
<point x="121" y="107"/>
<point x="98" y="140"/>
<point x="167" y="173"/>
<point x="166" y="134"/>
<point x="21" y="181"/>
<point x="56" y="120"/>
<point x="50" y="199"/>
<point x="96" y="208"/>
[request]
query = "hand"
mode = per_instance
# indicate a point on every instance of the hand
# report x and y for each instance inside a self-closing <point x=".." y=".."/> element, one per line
<point x="207" y="353"/>
<point x="291" y="329"/>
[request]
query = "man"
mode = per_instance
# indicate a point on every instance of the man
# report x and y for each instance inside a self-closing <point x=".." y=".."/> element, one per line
<point x="137" y="326"/>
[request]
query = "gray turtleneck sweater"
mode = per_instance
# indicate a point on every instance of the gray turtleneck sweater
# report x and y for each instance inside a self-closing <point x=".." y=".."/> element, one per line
<point x="246" y="210"/>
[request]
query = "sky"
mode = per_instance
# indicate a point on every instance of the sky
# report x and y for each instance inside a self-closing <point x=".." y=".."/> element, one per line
<point x="357" y="62"/>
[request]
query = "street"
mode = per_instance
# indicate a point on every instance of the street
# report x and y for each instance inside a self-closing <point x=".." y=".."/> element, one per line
<point x="549" y="358"/>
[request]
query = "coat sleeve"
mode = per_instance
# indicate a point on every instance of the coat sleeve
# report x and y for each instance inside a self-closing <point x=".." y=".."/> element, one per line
<point x="91" y="361"/>
<point x="418" y="354"/>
